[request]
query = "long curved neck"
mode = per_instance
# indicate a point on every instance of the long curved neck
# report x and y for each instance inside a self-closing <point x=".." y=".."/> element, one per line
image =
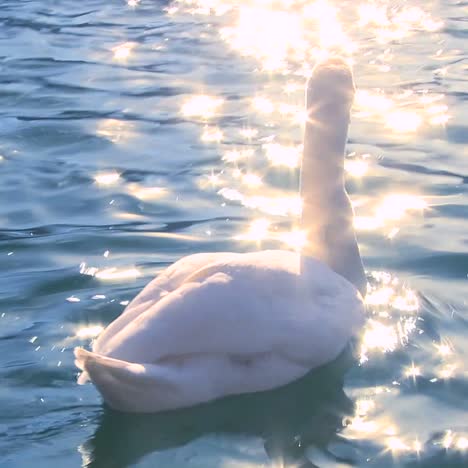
<point x="327" y="214"/>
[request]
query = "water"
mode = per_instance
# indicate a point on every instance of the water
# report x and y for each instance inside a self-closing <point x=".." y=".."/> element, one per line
<point x="111" y="169"/>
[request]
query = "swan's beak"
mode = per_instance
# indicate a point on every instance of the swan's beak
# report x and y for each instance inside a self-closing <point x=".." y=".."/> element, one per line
<point x="331" y="84"/>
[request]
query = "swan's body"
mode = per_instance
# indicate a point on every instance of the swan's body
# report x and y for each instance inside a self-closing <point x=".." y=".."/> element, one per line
<point x="217" y="324"/>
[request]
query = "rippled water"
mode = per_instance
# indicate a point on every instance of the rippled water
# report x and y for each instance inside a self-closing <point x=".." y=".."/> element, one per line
<point x="112" y="166"/>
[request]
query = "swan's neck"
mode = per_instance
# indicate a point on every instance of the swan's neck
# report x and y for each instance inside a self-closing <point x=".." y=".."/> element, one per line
<point x="327" y="214"/>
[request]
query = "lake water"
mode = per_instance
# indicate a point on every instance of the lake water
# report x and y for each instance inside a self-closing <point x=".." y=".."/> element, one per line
<point x="133" y="133"/>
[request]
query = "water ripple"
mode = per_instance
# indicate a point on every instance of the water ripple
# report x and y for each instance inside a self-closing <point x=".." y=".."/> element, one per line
<point x="106" y="179"/>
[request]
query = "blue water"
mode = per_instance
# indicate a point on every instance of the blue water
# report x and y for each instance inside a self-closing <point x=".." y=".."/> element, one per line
<point x="106" y="178"/>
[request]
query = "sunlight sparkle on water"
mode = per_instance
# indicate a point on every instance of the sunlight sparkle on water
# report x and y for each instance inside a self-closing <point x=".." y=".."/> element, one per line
<point x="248" y="133"/>
<point x="417" y="446"/>
<point x="448" y="439"/>
<point x="359" y="423"/>
<point x="364" y="406"/>
<point x="109" y="273"/>
<point x="370" y="13"/>
<point x="413" y="371"/>
<point x="443" y="349"/>
<point x="281" y="155"/>
<point x="295" y="239"/>
<point x="437" y="109"/>
<point x="391" y="294"/>
<point x="447" y="372"/>
<point x="258" y="230"/>
<point x="213" y="179"/>
<point x="367" y="223"/>
<point x="406" y="301"/>
<point x="403" y="121"/>
<point x="356" y="167"/>
<point x="395" y="444"/>
<point x="289" y="109"/>
<point x="436" y="112"/>
<point x="380" y="296"/>
<point x="367" y="102"/>
<point x="393" y="232"/>
<point x="233" y="156"/>
<point x="293" y="87"/>
<point x="212" y="135"/>
<point x="205" y="7"/>
<point x="123" y="51"/>
<point x="146" y="193"/>
<point x="378" y="336"/>
<point x="202" y="106"/>
<point x="462" y="443"/>
<point x="252" y="180"/>
<point x="117" y="274"/>
<point x="331" y="34"/>
<point x="392" y="208"/>
<point x="403" y="113"/>
<point x="107" y="178"/>
<point x="263" y="105"/>
<point x="286" y="32"/>
<point x="289" y="27"/>
<point x="275" y="204"/>
<point x="90" y="331"/>
<point x="396" y="22"/>
<point x="115" y="130"/>
<point x="269" y="40"/>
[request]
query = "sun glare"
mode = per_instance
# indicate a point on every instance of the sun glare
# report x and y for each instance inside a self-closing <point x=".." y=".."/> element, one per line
<point x="282" y="155"/>
<point x="202" y="106"/>
<point x="107" y="178"/>
<point x="117" y="131"/>
<point x="258" y="230"/>
<point x="89" y="332"/>
<point x="146" y="193"/>
<point x="394" y="207"/>
<point x="356" y="167"/>
<point x="212" y="135"/>
<point x="123" y="51"/>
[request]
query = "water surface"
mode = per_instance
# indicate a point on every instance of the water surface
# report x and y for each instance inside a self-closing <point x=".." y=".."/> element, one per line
<point x="133" y="133"/>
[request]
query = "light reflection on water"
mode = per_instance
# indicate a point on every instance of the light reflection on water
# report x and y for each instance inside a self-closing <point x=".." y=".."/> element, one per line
<point x="123" y="51"/>
<point x="404" y="57"/>
<point x="287" y="49"/>
<point x="201" y="106"/>
<point x="115" y="130"/>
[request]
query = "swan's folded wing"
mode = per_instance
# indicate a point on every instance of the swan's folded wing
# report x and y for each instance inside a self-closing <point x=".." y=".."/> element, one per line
<point x="176" y="274"/>
<point x="198" y="317"/>
<point x="238" y="312"/>
<point x="166" y="282"/>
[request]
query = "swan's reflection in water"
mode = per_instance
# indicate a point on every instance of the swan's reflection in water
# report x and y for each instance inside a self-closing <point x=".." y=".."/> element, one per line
<point x="308" y="412"/>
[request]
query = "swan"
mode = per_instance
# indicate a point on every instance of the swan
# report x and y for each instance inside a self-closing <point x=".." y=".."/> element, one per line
<point x="218" y="324"/>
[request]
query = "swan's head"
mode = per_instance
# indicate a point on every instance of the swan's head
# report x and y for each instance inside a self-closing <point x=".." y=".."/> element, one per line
<point x="330" y="89"/>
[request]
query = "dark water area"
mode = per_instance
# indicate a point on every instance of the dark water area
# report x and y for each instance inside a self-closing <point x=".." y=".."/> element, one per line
<point x="134" y="133"/>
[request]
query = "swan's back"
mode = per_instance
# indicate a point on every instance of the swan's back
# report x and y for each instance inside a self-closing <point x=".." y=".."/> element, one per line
<point x="231" y="305"/>
<point x="245" y="322"/>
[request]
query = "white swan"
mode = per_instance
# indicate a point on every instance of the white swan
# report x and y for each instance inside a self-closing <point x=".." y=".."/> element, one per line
<point x="216" y="324"/>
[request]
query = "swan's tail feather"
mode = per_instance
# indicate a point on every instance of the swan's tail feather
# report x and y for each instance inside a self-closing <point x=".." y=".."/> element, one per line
<point x="79" y="362"/>
<point x="125" y="386"/>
